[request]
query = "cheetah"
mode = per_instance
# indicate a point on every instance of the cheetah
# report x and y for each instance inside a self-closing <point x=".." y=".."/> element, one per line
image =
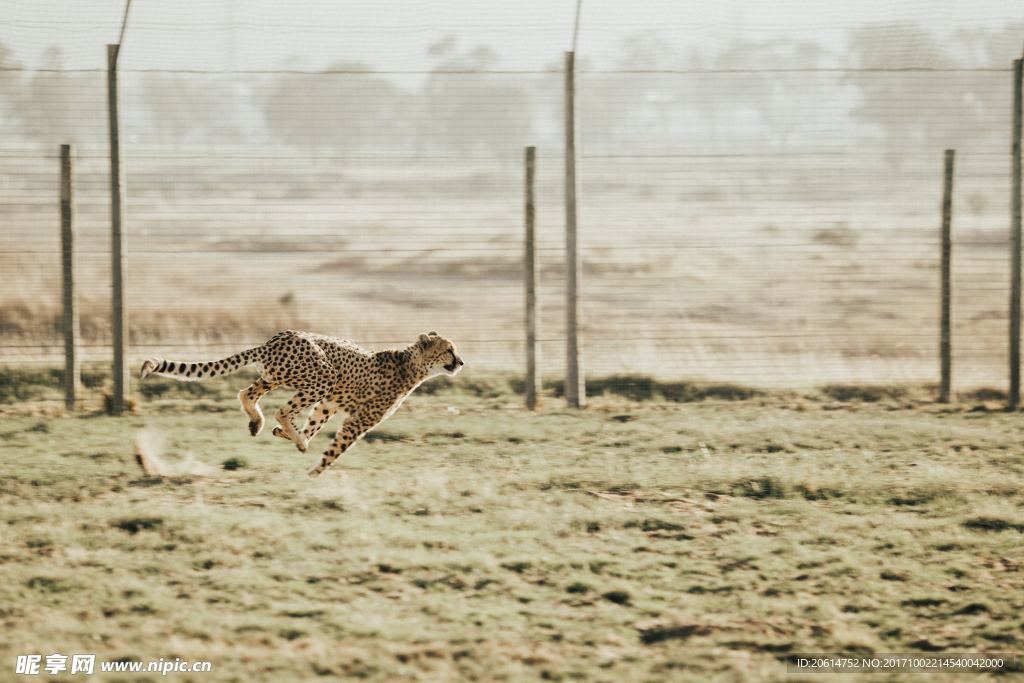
<point x="328" y="374"/>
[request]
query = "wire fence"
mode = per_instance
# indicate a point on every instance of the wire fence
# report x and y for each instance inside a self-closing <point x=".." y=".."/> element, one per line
<point x="764" y="212"/>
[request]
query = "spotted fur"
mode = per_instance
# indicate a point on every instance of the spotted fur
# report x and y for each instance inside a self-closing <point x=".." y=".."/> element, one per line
<point x="331" y="375"/>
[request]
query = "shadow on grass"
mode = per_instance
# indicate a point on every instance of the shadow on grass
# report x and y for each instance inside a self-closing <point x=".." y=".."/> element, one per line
<point x="19" y="383"/>
<point x="27" y="383"/>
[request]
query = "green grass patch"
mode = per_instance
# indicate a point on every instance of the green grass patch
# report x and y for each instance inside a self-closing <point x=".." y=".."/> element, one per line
<point x="622" y="542"/>
<point x="618" y="597"/>
<point x="865" y="393"/>
<point x="646" y="388"/>
<point x="134" y="525"/>
<point x="46" y="584"/>
<point x="758" y="487"/>
<point x="993" y="524"/>
<point x="982" y="395"/>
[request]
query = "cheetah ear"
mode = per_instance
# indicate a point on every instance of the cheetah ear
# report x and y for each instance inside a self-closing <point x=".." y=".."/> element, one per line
<point x="432" y="334"/>
<point x="424" y="339"/>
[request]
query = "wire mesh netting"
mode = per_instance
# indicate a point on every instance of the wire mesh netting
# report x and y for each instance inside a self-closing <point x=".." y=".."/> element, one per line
<point x="758" y="203"/>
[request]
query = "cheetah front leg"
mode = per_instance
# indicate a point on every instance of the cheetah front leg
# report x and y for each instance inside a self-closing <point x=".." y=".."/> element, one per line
<point x="318" y="417"/>
<point x="351" y="431"/>
<point x="250" y="400"/>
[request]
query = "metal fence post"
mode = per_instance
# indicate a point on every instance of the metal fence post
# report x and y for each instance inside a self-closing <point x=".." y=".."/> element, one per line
<point x="530" y="270"/>
<point x="945" y="337"/>
<point x="1013" y="397"/>
<point x="575" y="384"/>
<point x="117" y="247"/>
<point x="72" y="372"/>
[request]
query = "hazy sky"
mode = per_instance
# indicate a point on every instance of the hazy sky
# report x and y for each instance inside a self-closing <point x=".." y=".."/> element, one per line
<point x="526" y="34"/>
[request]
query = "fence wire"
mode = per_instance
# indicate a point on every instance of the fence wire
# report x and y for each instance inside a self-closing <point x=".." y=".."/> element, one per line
<point x="757" y="211"/>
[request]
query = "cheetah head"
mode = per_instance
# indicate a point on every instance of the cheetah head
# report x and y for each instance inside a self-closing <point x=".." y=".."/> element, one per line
<point x="439" y="354"/>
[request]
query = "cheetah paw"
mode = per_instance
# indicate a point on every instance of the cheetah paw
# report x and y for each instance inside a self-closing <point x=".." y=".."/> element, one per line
<point x="255" y="427"/>
<point x="280" y="433"/>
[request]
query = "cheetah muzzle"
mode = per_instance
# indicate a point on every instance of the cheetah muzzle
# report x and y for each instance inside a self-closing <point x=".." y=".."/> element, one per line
<point x="329" y="375"/>
<point x="456" y="364"/>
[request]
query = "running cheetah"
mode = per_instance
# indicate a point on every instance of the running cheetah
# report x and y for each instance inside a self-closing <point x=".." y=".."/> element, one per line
<point x="329" y="374"/>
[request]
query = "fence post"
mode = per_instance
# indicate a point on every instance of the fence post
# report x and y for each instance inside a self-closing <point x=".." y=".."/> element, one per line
<point x="117" y="247"/>
<point x="575" y="384"/>
<point x="945" y="337"/>
<point x="531" y="273"/>
<point x="1013" y="397"/>
<point x="72" y="372"/>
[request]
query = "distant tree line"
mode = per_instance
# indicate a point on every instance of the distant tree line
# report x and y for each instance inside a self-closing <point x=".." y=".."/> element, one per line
<point x="651" y="95"/>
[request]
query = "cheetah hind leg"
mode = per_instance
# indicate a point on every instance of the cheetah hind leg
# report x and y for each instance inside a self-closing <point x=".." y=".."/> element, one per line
<point x="250" y="400"/>
<point x="280" y="433"/>
<point x="284" y="416"/>
<point x="317" y="418"/>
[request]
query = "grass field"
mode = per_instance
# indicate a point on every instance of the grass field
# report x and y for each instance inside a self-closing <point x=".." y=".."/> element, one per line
<point x="702" y="533"/>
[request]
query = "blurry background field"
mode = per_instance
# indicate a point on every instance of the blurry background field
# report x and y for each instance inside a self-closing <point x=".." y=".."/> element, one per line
<point x="759" y="195"/>
<point x="718" y="288"/>
<point x="687" y="533"/>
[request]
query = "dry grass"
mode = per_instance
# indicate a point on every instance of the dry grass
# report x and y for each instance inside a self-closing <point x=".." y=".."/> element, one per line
<point x="714" y="283"/>
<point x="633" y="541"/>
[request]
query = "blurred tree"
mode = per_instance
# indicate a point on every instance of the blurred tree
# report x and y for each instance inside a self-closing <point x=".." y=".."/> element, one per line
<point x="641" y="102"/>
<point x="192" y="108"/>
<point x="57" y="106"/>
<point x="936" y="109"/>
<point x="346" y="107"/>
<point x="631" y="104"/>
<point x="1002" y="45"/>
<point x="472" y="111"/>
<point x="783" y="101"/>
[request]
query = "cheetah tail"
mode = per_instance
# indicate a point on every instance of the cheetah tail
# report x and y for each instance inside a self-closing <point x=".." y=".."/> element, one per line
<point x="190" y="371"/>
